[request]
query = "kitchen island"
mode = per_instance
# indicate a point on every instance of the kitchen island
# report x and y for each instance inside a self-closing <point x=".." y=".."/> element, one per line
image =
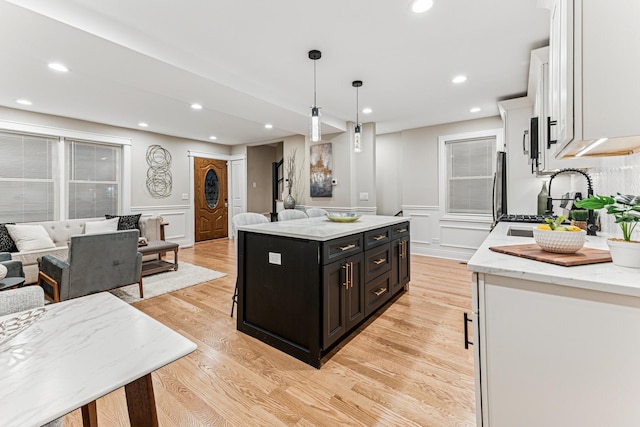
<point x="305" y="285"/>
<point x="554" y="345"/>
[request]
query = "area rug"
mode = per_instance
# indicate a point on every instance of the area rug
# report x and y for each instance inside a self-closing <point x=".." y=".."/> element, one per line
<point x="162" y="283"/>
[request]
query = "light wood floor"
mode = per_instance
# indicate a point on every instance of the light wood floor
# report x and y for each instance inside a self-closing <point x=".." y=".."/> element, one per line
<point x="406" y="367"/>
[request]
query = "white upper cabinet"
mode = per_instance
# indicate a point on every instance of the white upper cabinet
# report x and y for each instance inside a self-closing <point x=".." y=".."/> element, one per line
<point x="594" y="67"/>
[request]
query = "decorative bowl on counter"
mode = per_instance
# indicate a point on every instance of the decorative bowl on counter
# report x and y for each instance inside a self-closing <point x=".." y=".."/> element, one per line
<point x="561" y="242"/>
<point x="343" y="216"/>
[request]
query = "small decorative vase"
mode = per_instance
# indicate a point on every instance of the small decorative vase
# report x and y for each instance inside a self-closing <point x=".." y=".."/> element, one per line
<point x="624" y="254"/>
<point x="542" y="199"/>
<point x="289" y="202"/>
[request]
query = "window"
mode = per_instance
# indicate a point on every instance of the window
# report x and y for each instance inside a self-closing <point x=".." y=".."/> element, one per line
<point x="27" y="186"/>
<point x="51" y="177"/>
<point x="467" y="163"/>
<point x="93" y="179"/>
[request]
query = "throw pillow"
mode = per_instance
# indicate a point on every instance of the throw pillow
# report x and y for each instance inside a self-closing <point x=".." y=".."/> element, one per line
<point x="30" y="237"/>
<point x="6" y="242"/>
<point x="104" y="226"/>
<point x="127" y="222"/>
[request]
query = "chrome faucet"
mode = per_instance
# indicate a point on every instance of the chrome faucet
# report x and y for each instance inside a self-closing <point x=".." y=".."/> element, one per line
<point x="591" y="222"/>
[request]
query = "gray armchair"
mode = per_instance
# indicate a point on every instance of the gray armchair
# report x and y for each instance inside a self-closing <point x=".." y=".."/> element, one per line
<point x="96" y="263"/>
<point x="14" y="267"/>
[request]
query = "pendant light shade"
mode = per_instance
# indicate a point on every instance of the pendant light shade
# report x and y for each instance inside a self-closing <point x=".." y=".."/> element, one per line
<point x="357" y="131"/>
<point x="315" y="134"/>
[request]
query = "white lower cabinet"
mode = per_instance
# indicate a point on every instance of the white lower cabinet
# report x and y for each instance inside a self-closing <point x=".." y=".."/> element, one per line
<point x="551" y="355"/>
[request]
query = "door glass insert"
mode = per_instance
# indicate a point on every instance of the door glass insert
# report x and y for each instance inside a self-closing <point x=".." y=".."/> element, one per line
<point x="211" y="189"/>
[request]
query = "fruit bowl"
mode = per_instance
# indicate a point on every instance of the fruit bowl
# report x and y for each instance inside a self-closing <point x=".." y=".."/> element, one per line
<point x="561" y="242"/>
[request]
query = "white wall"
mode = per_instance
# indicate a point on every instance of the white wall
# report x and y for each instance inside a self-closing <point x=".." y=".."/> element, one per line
<point x="174" y="208"/>
<point x="407" y="174"/>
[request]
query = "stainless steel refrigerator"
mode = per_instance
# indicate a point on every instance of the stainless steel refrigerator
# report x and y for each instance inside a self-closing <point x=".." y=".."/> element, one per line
<point x="500" y="186"/>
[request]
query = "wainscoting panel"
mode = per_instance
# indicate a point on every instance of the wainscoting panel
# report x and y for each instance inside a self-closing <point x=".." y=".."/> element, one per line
<point x="434" y="236"/>
<point x="179" y="229"/>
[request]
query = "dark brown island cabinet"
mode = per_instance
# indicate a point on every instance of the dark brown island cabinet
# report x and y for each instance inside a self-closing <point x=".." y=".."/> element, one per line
<point x="305" y="285"/>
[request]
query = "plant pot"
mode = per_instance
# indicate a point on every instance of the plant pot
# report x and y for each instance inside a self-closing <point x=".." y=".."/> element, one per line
<point x="624" y="253"/>
<point x="289" y="202"/>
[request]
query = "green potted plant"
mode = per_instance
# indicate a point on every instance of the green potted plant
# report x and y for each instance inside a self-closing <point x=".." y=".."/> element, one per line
<point x="626" y="211"/>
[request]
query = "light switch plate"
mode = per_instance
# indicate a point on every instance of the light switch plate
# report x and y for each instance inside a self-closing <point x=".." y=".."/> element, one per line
<point x="275" y="258"/>
<point x="364" y="197"/>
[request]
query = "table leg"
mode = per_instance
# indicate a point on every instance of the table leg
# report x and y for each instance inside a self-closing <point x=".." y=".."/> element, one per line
<point x="90" y="415"/>
<point x="141" y="402"/>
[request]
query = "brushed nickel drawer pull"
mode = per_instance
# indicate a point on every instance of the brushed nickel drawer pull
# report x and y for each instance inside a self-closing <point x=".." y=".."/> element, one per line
<point x="380" y="291"/>
<point x="401" y="230"/>
<point x="379" y="261"/>
<point x="379" y="237"/>
<point x="346" y="248"/>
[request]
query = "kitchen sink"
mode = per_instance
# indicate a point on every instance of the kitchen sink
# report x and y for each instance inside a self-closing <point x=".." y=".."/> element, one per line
<point x="520" y="232"/>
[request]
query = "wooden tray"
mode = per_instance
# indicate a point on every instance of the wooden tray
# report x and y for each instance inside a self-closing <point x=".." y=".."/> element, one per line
<point x="533" y="251"/>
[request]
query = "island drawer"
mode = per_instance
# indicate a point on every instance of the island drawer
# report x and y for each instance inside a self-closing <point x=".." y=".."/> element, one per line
<point x="377" y="237"/>
<point x="400" y="230"/>
<point x="334" y="250"/>
<point x="376" y="293"/>
<point x="377" y="261"/>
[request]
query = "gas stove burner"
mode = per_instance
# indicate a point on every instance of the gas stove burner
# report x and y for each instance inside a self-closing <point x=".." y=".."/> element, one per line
<point x="533" y="219"/>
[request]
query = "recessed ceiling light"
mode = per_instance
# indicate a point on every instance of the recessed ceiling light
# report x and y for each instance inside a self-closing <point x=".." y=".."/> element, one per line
<point x="421" y="6"/>
<point x="58" y="67"/>
<point x="474" y="110"/>
<point x="367" y="110"/>
<point x="459" y="79"/>
<point x="143" y="125"/>
<point x="196" y="106"/>
<point x="268" y="126"/>
<point x="23" y="101"/>
<point x="213" y="137"/>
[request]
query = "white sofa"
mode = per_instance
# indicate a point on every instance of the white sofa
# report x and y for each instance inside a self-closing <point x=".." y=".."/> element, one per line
<point x="61" y="231"/>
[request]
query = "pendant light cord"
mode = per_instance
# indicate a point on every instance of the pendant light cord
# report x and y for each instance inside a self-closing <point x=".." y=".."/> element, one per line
<point x="314" y="83"/>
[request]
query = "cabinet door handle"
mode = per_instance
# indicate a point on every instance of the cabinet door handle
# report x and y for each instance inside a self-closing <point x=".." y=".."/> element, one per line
<point x="346" y="248"/>
<point x="380" y="261"/>
<point x="346" y="276"/>
<point x="467" y="320"/>
<point x="401" y="230"/>
<point x="549" y="124"/>
<point x="380" y="291"/>
<point x="351" y="269"/>
<point x="379" y="237"/>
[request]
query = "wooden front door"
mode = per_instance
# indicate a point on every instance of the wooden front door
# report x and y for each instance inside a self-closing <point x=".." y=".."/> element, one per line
<point x="211" y="203"/>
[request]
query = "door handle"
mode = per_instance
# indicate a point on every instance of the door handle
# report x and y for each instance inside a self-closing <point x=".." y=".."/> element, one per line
<point x="467" y="320"/>
<point x="549" y="124"/>
<point x="351" y="274"/>
<point x="346" y="276"/>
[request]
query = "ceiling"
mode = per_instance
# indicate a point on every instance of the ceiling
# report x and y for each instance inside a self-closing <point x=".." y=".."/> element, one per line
<point x="246" y="62"/>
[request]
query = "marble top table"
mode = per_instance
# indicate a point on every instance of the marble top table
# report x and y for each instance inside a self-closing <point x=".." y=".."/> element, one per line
<point x="80" y="350"/>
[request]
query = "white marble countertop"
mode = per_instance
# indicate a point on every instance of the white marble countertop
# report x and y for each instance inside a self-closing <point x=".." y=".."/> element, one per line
<point x="321" y="229"/>
<point x="78" y="351"/>
<point x="605" y="277"/>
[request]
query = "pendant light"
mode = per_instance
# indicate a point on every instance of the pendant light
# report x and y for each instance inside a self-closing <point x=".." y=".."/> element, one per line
<point x="357" y="147"/>
<point x="314" y="55"/>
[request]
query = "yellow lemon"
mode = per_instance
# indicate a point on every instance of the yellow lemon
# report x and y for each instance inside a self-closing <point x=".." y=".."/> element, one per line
<point x="573" y="228"/>
<point x="544" y="227"/>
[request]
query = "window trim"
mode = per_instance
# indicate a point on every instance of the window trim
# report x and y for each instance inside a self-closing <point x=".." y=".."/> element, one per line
<point x="498" y="134"/>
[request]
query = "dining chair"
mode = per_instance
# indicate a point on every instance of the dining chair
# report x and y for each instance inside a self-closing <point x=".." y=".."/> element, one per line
<point x="314" y="212"/>
<point x="246" y="218"/>
<point x="289" y="214"/>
